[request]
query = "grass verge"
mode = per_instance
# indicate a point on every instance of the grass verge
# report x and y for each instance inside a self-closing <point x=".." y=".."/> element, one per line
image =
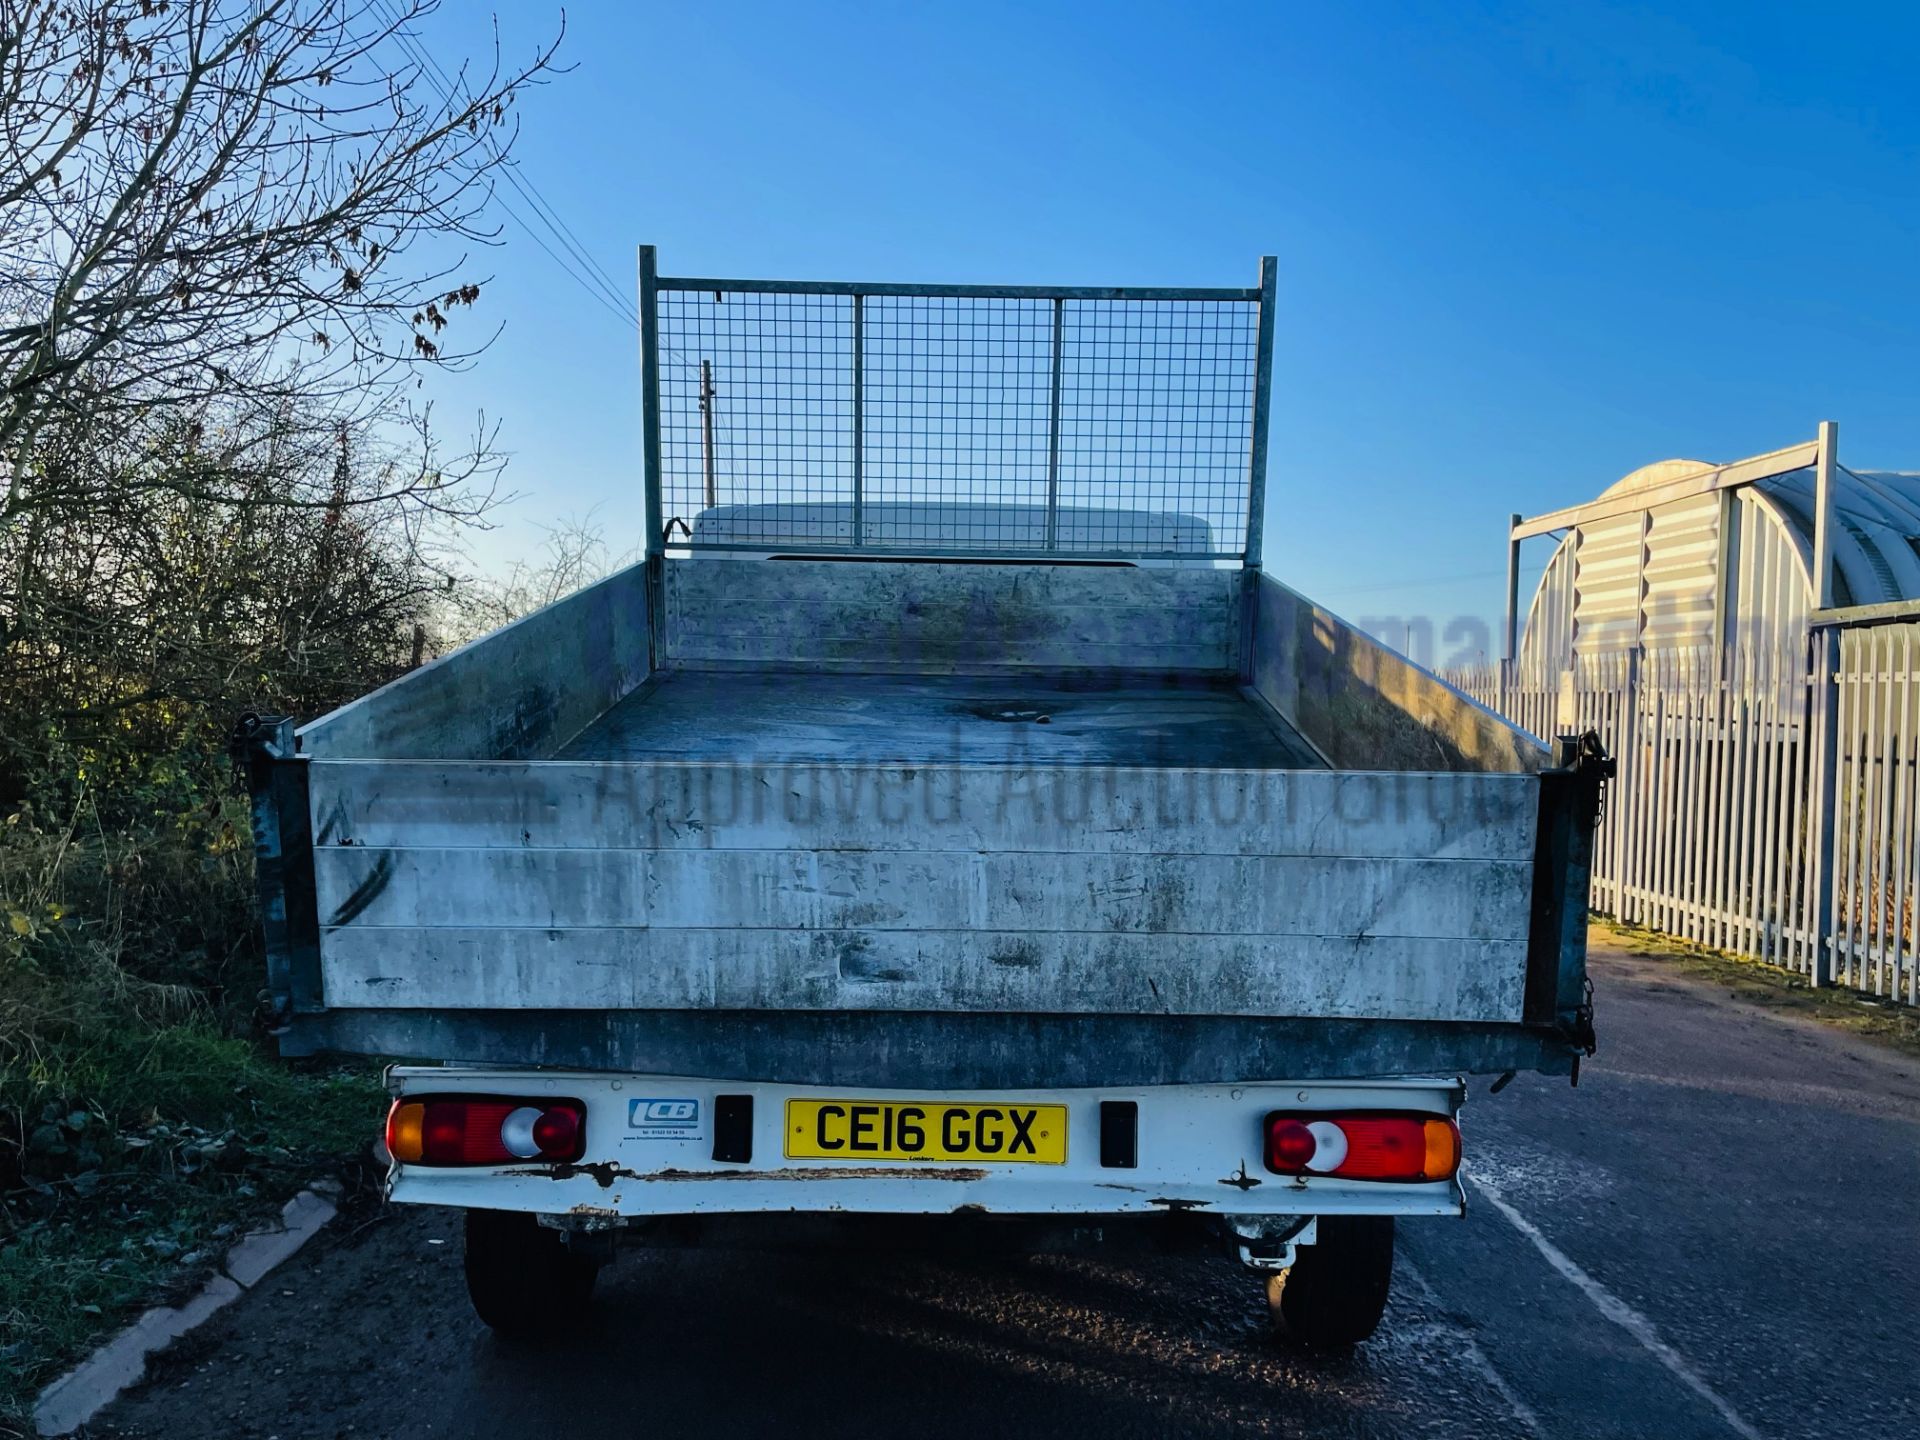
<point x="1887" y="1021"/>
<point x="185" y="1138"/>
<point x="155" y="1152"/>
<point x="144" y="1123"/>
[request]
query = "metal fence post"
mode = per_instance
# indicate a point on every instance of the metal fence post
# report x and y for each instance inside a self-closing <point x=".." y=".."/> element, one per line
<point x="1627" y="797"/>
<point x="859" y="419"/>
<point x="1826" y="890"/>
<point x="656" y="540"/>
<point x="1513" y="587"/>
<point x="1053" y="427"/>
<point x="1826" y="777"/>
<point x="650" y="397"/>
<point x="1262" y="383"/>
<point x="1825" y="461"/>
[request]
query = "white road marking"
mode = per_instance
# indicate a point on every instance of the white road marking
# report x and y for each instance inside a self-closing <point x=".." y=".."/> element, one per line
<point x="1471" y="1352"/>
<point x="1618" y="1311"/>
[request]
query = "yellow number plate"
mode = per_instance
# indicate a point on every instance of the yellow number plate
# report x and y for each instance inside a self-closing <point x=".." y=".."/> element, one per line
<point x="926" y="1130"/>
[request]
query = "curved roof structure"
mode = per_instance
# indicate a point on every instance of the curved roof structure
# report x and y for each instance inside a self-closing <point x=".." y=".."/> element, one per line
<point x="1876" y="538"/>
<point x="1876" y="543"/>
<point x="1654" y="576"/>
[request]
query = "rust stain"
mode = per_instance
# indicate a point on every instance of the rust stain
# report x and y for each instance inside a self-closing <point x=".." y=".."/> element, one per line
<point x="822" y="1172"/>
<point x="602" y="1174"/>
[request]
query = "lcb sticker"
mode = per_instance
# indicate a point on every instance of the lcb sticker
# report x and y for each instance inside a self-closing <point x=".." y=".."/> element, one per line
<point x="664" y="1118"/>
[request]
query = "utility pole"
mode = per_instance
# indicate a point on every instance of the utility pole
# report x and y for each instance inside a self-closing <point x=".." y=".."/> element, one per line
<point x="706" y="429"/>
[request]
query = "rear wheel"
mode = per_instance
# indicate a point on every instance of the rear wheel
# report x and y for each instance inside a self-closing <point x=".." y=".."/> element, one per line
<point x="523" y="1280"/>
<point x="1336" y="1291"/>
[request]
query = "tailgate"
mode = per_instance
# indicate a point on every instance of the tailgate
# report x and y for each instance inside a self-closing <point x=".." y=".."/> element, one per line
<point x="557" y="886"/>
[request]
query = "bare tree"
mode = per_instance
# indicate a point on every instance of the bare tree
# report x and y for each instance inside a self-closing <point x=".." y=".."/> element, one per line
<point x="232" y="235"/>
<point x="574" y="555"/>
<point x="233" y="203"/>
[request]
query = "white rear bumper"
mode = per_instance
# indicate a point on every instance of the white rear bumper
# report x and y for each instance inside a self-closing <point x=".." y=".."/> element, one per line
<point x="650" y="1144"/>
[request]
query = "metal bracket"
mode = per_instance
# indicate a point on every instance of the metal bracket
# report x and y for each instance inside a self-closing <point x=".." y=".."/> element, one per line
<point x="1271" y="1243"/>
<point x="1598" y="769"/>
<point x="265" y="749"/>
<point x="584" y="1221"/>
<point x="260" y="735"/>
<point x="1281" y="1261"/>
<point x="1586" y="756"/>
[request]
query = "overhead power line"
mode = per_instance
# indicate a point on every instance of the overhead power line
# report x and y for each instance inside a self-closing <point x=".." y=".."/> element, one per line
<point x="589" y="275"/>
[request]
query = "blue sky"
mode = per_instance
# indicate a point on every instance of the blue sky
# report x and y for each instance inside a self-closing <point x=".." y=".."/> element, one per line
<point x="1523" y="249"/>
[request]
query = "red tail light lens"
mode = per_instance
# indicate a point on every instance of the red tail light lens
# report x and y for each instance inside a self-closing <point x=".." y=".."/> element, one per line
<point x="557" y="1132"/>
<point x="1381" y="1145"/>
<point x="485" y="1130"/>
<point x="1290" y="1144"/>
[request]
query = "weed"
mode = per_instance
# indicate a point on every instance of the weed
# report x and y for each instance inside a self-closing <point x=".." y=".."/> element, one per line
<point x="144" y="1124"/>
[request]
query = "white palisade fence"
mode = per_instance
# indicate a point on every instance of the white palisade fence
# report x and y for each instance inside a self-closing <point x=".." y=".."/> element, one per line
<point x="1768" y="800"/>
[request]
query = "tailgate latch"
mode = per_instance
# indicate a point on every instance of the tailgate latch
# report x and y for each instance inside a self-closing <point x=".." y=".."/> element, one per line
<point x="1587" y="758"/>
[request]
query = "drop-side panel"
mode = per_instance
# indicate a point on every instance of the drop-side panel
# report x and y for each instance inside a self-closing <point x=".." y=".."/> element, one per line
<point x="1431" y="978"/>
<point x="806" y="805"/>
<point x="848" y="887"/>
<point x="519" y="693"/>
<point x="1364" y="706"/>
<point x="929" y="619"/>
<point x="918" y="890"/>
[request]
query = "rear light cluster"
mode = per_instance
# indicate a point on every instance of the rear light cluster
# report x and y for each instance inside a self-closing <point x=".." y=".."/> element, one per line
<point x="1391" y="1145"/>
<point x="485" y="1130"/>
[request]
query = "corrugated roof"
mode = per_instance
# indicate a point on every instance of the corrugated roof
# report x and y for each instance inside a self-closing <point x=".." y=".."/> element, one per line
<point x="1650" y="578"/>
<point x="1876" y="539"/>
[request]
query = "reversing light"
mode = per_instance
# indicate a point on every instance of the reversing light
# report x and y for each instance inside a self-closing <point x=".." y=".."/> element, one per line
<point x="516" y="1132"/>
<point x="485" y="1130"/>
<point x="1375" y="1145"/>
<point x="1330" y="1145"/>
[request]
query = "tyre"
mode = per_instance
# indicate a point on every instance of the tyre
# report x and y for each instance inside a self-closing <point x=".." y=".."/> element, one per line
<point x="523" y="1280"/>
<point x="1336" y="1291"/>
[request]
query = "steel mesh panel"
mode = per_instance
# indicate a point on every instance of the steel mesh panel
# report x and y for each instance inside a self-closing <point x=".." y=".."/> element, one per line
<point x="958" y="396"/>
<point x="1156" y="415"/>
<point x="780" y="369"/>
<point x="928" y="423"/>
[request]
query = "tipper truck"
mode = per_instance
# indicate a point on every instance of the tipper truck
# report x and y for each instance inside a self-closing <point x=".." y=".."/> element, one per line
<point x="945" y="834"/>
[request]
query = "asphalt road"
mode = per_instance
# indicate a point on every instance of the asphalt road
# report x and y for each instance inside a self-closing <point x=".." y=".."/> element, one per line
<point x="1714" y="1236"/>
